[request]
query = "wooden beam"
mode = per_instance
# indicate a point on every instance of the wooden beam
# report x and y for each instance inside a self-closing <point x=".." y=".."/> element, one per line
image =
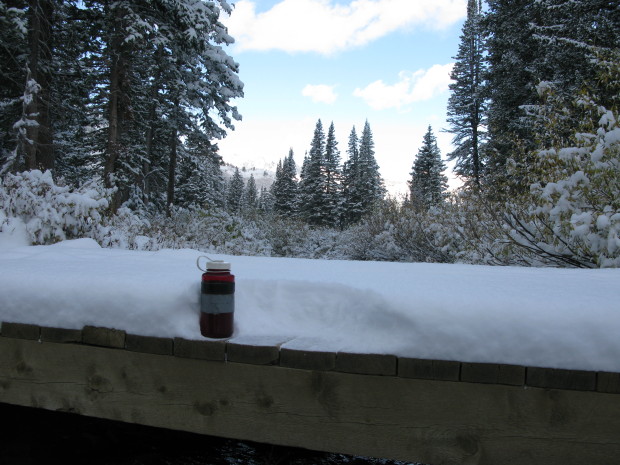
<point x="431" y="421"/>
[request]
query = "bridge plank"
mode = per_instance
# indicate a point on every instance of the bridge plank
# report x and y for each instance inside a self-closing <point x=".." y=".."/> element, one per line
<point x="307" y="359"/>
<point x="149" y="344"/>
<point x="20" y="330"/>
<point x="253" y="354"/>
<point x="202" y="350"/>
<point x="608" y="382"/>
<point x="561" y="379"/>
<point x="63" y="335"/>
<point x="366" y="364"/>
<point x="104" y="337"/>
<point x="493" y="373"/>
<point x="443" y="370"/>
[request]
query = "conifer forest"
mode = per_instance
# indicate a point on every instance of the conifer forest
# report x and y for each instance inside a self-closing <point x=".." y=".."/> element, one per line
<point x="111" y="113"/>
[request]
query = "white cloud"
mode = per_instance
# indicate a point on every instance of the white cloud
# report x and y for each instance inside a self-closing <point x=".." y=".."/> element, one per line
<point x="320" y="93"/>
<point x="326" y="27"/>
<point x="411" y="87"/>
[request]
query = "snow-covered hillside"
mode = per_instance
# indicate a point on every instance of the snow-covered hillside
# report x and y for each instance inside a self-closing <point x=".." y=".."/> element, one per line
<point x="560" y="318"/>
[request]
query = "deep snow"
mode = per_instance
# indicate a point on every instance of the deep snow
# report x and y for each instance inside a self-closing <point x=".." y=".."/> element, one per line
<point x="560" y="318"/>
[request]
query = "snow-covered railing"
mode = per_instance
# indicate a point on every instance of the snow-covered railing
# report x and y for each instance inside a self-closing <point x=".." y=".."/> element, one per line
<point x="266" y="352"/>
<point x="259" y="389"/>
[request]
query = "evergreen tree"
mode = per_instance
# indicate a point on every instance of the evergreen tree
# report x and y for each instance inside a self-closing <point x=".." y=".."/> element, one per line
<point x="250" y="196"/>
<point x="333" y="179"/>
<point x="371" y="182"/>
<point x="13" y="50"/>
<point x="73" y="113"/>
<point x="276" y="185"/>
<point x="234" y="192"/>
<point x="510" y="82"/>
<point x="284" y="188"/>
<point x="312" y="186"/>
<point x="466" y="106"/>
<point x="428" y="184"/>
<point x="113" y="89"/>
<point x="532" y="44"/>
<point x="352" y="195"/>
<point x="362" y="183"/>
<point x="265" y="200"/>
<point x="27" y="65"/>
<point x="574" y="35"/>
<point x="200" y="180"/>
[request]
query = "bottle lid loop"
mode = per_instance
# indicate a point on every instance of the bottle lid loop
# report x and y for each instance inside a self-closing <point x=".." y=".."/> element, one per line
<point x="218" y="265"/>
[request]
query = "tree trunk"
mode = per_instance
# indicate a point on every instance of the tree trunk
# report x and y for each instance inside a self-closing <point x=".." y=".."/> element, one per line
<point x="172" y="166"/>
<point x="150" y="133"/>
<point x="38" y="146"/>
<point x="116" y="113"/>
<point x="112" y="148"/>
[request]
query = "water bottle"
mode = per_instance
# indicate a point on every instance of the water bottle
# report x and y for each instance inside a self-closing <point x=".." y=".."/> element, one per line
<point x="217" y="299"/>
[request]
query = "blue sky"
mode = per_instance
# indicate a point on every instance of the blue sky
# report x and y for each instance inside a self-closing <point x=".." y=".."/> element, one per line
<point x="387" y="61"/>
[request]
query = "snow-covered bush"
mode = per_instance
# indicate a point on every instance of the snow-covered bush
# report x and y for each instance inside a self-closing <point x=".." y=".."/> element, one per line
<point x="52" y="212"/>
<point x="294" y="238"/>
<point x="429" y="235"/>
<point x="373" y="238"/>
<point x="126" y="229"/>
<point x="397" y="231"/>
<point x="571" y="216"/>
<point x="212" y="230"/>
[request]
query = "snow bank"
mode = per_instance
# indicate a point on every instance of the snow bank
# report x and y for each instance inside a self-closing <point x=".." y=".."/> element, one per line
<point x="559" y="318"/>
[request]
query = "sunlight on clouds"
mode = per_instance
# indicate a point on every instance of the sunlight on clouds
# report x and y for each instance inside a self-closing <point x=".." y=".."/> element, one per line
<point x="320" y="93"/>
<point x="325" y="27"/>
<point x="411" y="87"/>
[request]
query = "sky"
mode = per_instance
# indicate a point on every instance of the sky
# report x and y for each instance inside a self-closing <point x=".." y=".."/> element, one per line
<point x="385" y="61"/>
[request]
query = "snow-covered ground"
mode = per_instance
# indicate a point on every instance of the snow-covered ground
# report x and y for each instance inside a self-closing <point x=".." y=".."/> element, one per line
<point x="559" y="318"/>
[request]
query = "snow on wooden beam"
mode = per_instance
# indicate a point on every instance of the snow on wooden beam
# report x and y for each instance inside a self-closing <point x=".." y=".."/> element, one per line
<point x="434" y="411"/>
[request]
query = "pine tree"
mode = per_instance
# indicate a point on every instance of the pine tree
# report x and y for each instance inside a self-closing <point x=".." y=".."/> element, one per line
<point x="352" y="195"/>
<point x="533" y="44"/>
<point x="428" y="184"/>
<point x="113" y="89"/>
<point x="371" y="182"/>
<point x="13" y="50"/>
<point x="466" y="106"/>
<point x="284" y="188"/>
<point x="510" y="81"/>
<point x="576" y="36"/>
<point x="234" y="192"/>
<point x="199" y="179"/>
<point x="573" y="36"/>
<point x="73" y="113"/>
<point x="333" y="179"/>
<point x="362" y="183"/>
<point x="276" y="185"/>
<point x="265" y="200"/>
<point x="312" y="186"/>
<point x="27" y="63"/>
<point x="250" y="196"/>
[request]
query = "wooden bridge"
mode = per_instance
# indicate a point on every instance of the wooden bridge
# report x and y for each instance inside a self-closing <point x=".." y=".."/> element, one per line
<point x="431" y="411"/>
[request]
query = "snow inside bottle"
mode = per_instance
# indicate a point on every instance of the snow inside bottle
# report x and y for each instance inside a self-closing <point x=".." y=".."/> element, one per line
<point x="217" y="300"/>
